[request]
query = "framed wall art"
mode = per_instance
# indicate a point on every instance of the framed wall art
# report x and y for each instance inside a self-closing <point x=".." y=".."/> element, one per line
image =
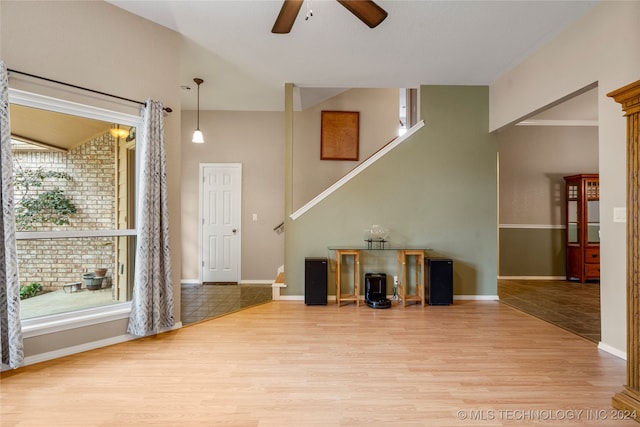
<point x="340" y="133"/>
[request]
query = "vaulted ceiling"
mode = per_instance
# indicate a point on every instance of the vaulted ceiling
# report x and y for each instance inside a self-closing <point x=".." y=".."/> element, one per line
<point x="244" y="66"/>
<point x="230" y="45"/>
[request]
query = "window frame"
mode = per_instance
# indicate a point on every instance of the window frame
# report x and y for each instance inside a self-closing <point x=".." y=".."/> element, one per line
<point x="43" y="325"/>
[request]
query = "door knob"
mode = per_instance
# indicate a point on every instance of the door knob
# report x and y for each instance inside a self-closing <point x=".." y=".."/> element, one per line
<point x="234" y="231"/>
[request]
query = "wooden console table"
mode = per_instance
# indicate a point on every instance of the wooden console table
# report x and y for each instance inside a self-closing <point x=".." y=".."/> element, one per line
<point x="403" y="281"/>
<point x="404" y="256"/>
<point x="355" y="296"/>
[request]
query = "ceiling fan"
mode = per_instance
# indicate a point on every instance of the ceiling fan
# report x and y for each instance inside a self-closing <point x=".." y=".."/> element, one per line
<point x="365" y="10"/>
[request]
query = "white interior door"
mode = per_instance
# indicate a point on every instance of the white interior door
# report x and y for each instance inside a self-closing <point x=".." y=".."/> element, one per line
<point x="221" y="220"/>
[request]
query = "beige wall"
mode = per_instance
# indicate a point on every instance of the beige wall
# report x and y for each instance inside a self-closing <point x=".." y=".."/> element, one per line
<point x="533" y="162"/>
<point x="379" y="122"/>
<point x="99" y="46"/>
<point x="254" y="139"/>
<point x="602" y="47"/>
<point x="531" y="252"/>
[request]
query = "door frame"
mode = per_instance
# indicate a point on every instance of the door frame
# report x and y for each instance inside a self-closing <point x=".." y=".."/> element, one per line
<point x="202" y="166"/>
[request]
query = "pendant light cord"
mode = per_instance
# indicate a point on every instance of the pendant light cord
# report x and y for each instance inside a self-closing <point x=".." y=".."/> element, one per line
<point x="198" y="82"/>
<point x="197" y="134"/>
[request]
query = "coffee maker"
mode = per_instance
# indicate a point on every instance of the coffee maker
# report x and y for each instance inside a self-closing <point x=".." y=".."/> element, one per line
<point x="375" y="290"/>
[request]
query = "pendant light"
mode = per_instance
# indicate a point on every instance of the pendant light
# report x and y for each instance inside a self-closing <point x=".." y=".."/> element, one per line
<point x="117" y="132"/>
<point x="197" y="134"/>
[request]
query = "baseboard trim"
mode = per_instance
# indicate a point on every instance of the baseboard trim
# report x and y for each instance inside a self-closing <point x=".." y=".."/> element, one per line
<point x="612" y="350"/>
<point x="291" y="298"/>
<point x="68" y="351"/>
<point x="255" y="282"/>
<point x="455" y="297"/>
<point x="532" y="278"/>
<point x="534" y="226"/>
<point x="241" y="282"/>
<point x="80" y="348"/>
<point x="476" y="297"/>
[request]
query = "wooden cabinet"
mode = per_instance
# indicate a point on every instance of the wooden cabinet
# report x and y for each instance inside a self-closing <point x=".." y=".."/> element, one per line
<point x="582" y="237"/>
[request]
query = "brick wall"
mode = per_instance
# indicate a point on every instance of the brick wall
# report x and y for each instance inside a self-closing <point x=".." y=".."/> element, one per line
<point x="55" y="262"/>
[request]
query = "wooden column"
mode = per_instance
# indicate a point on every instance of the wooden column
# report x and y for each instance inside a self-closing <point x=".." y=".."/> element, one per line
<point x="629" y="97"/>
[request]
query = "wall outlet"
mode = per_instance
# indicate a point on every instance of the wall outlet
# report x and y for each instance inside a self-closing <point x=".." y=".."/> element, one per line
<point x="254" y="217"/>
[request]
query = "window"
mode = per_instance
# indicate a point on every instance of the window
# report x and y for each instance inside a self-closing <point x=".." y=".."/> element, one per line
<point x="74" y="181"/>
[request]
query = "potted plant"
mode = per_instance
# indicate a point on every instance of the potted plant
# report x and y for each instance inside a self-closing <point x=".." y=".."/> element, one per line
<point x="30" y="290"/>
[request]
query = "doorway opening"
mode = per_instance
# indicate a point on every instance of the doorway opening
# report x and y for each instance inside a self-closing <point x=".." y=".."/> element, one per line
<point x="220" y="209"/>
<point x="535" y="156"/>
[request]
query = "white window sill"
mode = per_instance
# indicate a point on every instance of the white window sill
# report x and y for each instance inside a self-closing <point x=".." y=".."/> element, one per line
<point x="75" y="319"/>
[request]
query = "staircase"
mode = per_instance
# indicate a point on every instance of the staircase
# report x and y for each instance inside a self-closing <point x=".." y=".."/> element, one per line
<point x="278" y="284"/>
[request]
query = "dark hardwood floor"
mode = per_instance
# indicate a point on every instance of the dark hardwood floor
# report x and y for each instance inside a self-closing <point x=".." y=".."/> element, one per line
<point x="570" y="305"/>
<point x="201" y="302"/>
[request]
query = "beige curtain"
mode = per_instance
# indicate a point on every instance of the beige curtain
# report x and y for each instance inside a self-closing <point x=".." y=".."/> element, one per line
<point x="10" y="326"/>
<point x="152" y="302"/>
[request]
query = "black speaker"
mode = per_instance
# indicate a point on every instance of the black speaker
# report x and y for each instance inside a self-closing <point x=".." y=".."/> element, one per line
<point x="440" y="281"/>
<point x="315" y="281"/>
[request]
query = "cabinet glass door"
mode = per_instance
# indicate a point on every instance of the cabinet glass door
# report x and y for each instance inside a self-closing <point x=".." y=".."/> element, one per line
<point x="593" y="211"/>
<point x="573" y="213"/>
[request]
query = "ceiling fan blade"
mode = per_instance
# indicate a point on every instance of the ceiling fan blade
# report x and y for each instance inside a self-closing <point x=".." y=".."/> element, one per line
<point x="365" y="10"/>
<point x="287" y="16"/>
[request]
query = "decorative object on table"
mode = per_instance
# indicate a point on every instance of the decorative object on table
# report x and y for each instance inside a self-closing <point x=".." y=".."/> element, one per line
<point x="339" y="135"/>
<point x="376" y="237"/>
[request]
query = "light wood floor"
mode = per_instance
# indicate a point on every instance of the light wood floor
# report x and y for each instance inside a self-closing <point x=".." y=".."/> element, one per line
<point x="286" y="364"/>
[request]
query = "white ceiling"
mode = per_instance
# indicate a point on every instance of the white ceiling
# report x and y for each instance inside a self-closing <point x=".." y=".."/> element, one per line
<point x="244" y="66"/>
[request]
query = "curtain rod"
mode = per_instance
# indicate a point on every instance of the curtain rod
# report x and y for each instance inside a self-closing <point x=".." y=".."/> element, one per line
<point x="167" y="109"/>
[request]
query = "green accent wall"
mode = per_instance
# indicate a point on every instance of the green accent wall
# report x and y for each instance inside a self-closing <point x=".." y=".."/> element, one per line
<point x="532" y="252"/>
<point x="437" y="189"/>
